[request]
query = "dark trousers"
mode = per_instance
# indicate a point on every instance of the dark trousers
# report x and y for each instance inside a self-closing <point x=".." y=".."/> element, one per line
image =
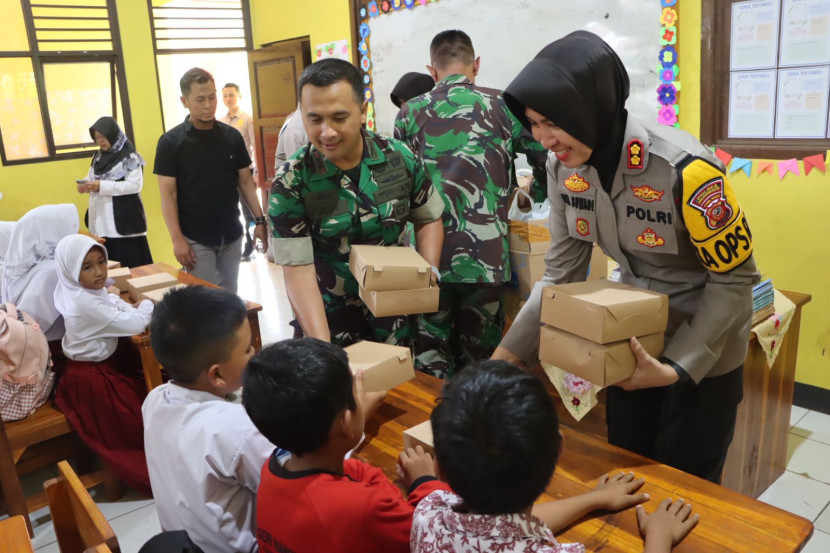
<point x="686" y="426"/>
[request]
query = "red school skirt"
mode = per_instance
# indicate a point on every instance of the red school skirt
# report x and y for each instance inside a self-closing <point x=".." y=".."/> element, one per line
<point x="102" y="401"/>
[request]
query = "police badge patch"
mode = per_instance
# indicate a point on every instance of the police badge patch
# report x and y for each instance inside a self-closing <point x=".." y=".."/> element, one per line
<point x="647" y="193"/>
<point x="583" y="227"/>
<point x="710" y="199"/>
<point x="650" y="238"/>
<point x="635" y="154"/>
<point x="575" y="183"/>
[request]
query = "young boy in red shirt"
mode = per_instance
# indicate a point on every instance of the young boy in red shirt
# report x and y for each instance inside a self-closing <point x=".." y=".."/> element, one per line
<point x="301" y="395"/>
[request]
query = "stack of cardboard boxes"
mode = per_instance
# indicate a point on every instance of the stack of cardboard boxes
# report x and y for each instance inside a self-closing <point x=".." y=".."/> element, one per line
<point x="141" y="287"/>
<point x="393" y="280"/>
<point x="588" y="326"/>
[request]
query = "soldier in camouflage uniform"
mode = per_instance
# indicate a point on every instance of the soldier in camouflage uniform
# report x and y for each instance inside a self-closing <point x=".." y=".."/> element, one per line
<point x="468" y="139"/>
<point x="347" y="186"/>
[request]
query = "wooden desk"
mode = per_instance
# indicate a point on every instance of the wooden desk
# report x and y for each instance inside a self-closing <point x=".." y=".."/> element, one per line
<point x="152" y="368"/>
<point x="14" y="536"/>
<point x="729" y="521"/>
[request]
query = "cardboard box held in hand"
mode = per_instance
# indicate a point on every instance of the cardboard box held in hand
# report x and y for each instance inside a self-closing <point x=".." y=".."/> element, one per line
<point x="384" y="366"/>
<point x="137" y="286"/>
<point x="419" y="435"/>
<point x="393" y="280"/>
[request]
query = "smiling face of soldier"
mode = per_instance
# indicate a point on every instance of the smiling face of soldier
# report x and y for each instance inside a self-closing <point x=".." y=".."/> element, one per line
<point x="333" y="117"/>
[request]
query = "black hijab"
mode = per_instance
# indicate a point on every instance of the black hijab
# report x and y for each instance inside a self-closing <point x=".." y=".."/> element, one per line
<point x="579" y="83"/>
<point x="411" y="85"/>
<point x="106" y="164"/>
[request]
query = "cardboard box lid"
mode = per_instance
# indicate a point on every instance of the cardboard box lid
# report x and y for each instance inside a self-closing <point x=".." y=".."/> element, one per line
<point x="385" y="268"/>
<point x="420" y="434"/>
<point x="384" y="365"/>
<point x="620" y="300"/>
<point x="118" y="272"/>
<point x="152" y="281"/>
<point x="156" y="295"/>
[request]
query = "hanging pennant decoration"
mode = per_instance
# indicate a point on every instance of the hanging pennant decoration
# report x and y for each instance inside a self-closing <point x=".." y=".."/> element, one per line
<point x="765" y="167"/>
<point x="814" y="162"/>
<point x="723" y="156"/>
<point x="787" y="165"/>
<point x="739" y="163"/>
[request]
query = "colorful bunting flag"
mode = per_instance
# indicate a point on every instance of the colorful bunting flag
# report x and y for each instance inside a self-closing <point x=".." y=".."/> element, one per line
<point x="723" y="156"/>
<point x="813" y="162"/>
<point x="765" y="167"/>
<point x="788" y="165"/>
<point x="739" y="163"/>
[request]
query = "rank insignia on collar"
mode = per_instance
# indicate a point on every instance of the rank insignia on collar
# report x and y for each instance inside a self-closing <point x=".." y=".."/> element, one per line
<point x="635" y="154"/>
<point x="650" y="239"/>
<point x="647" y="193"/>
<point x="710" y="199"/>
<point x="575" y="183"/>
<point x="583" y="227"/>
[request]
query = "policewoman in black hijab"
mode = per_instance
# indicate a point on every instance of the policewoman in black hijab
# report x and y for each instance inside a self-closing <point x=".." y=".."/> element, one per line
<point x="659" y="203"/>
<point x="113" y="183"/>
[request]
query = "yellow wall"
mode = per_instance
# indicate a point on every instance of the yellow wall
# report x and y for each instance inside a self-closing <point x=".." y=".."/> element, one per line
<point x="323" y="21"/>
<point x="789" y="218"/>
<point x="31" y="185"/>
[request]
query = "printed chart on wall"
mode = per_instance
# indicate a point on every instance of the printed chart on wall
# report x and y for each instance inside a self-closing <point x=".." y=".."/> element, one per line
<point x="780" y="69"/>
<point x="508" y="34"/>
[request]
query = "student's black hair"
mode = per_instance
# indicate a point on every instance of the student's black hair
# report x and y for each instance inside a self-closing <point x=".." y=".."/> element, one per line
<point x="451" y="47"/>
<point x="194" y="75"/>
<point x="330" y="71"/>
<point x="232" y="85"/>
<point x="496" y="437"/>
<point x="294" y="389"/>
<point x="195" y="327"/>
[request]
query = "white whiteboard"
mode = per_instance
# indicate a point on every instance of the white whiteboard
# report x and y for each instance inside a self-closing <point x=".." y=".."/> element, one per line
<point x="507" y="34"/>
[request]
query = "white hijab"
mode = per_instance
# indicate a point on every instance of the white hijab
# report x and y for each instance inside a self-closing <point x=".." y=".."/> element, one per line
<point x="86" y="312"/>
<point x="33" y="242"/>
<point x="6" y="228"/>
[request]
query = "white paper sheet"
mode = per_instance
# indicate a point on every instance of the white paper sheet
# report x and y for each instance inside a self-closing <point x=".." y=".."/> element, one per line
<point x="805" y="32"/>
<point x="802" y="103"/>
<point x="754" y="38"/>
<point x="751" y="104"/>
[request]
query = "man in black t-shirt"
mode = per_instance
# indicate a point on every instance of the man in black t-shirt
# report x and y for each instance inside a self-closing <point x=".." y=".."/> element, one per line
<point x="202" y="167"/>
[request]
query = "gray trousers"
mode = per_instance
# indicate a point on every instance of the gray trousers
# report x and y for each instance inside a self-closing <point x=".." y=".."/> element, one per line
<point x="217" y="264"/>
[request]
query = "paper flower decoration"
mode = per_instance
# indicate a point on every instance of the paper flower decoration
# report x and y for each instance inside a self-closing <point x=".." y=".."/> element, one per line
<point x="364" y="30"/>
<point x="363" y="12"/>
<point x="362" y="47"/>
<point x="367" y="94"/>
<point x="668" y="3"/>
<point x="668" y="57"/>
<point x="667" y="75"/>
<point x="370" y="123"/>
<point x="668" y="17"/>
<point x="385" y="6"/>
<point x="409" y="3"/>
<point x="367" y="79"/>
<point x="666" y="94"/>
<point x="422" y="2"/>
<point x="365" y="64"/>
<point x="669" y="36"/>
<point x="373" y="8"/>
<point x="667" y="116"/>
<point x="396" y="4"/>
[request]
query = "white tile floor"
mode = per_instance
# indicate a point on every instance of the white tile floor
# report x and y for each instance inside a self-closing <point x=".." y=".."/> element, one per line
<point x="804" y="489"/>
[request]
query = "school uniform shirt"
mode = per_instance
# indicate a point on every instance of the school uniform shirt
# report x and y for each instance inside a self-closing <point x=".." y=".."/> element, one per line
<point x="205" y="458"/>
<point x="672" y="222"/>
<point x="358" y="511"/>
<point x="101" y="218"/>
<point x="441" y="525"/>
<point x="468" y="138"/>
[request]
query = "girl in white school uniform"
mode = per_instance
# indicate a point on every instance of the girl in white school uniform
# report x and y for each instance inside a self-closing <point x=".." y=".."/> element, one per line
<point x="29" y="274"/>
<point x="102" y="389"/>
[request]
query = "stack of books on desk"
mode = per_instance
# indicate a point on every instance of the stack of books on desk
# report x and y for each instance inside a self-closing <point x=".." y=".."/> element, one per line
<point x="763" y="301"/>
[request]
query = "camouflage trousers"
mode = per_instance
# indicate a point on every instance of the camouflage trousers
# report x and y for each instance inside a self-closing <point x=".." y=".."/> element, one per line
<point x="351" y="321"/>
<point x="466" y="328"/>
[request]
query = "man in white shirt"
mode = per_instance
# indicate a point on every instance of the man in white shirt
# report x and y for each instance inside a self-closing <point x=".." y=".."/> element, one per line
<point x="244" y="123"/>
<point x="204" y="454"/>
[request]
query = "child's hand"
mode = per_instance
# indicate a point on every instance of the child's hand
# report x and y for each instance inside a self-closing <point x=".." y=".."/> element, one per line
<point x="370" y="400"/>
<point x="667" y="525"/>
<point x="615" y="493"/>
<point x="413" y="464"/>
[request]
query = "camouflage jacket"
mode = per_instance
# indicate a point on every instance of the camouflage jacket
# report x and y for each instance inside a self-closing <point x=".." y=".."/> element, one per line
<point x="318" y="212"/>
<point x="468" y="139"/>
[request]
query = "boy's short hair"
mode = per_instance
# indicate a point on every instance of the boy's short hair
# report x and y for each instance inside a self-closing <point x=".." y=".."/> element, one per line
<point x="195" y="327"/>
<point x="451" y="46"/>
<point x="496" y="437"/>
<point x="294" y="389"/>
<point x="231" y="85"/>
<point x="331" y="71"/>
<point x="194" y="75"/>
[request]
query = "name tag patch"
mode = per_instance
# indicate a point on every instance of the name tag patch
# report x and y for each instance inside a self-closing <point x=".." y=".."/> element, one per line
<point x="578" y="202"/>
<point x="652" y="216"/>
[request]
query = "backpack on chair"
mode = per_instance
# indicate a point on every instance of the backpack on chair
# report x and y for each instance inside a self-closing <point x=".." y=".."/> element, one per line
<point x="26" y="376"/>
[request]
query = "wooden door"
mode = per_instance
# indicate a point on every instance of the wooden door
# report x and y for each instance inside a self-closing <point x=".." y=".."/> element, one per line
<point x="274" y="71"/>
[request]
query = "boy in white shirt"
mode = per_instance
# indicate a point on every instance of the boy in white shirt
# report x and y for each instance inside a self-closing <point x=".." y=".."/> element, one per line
<point x="203" y="452"/>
